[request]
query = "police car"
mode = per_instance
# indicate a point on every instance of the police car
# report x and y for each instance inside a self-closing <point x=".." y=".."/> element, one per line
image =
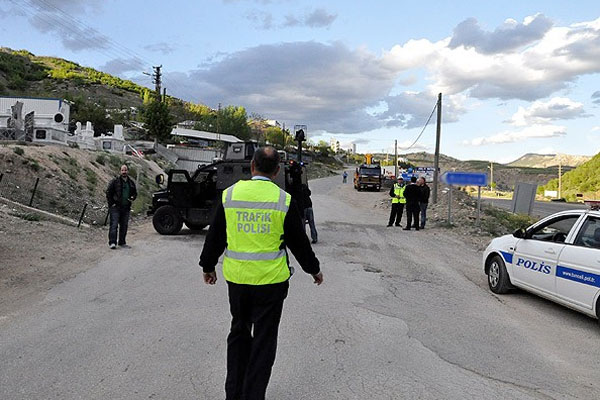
<point x="557" y="258"/>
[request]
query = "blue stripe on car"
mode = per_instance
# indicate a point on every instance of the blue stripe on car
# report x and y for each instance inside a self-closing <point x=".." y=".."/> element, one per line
<point x="507" y="256"/>
<point x="578" y="276"/>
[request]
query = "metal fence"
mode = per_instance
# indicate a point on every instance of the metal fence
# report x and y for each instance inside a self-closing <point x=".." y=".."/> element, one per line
<point x="44" y="194"/>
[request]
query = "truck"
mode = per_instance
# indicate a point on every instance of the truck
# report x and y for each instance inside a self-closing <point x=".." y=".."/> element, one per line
<point x="368" y="175"/>
<point x="192" y="199"/>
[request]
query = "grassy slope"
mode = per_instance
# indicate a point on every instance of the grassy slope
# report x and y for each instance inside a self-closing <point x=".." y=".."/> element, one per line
<point x="584" y="179"/>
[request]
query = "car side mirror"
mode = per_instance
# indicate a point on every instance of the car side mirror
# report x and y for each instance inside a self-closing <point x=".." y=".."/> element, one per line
<point x="520" y="233"/>
<point x="159" y="179"/>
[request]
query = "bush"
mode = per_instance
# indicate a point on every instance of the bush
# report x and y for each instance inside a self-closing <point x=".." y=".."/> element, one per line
<point x="35" y="165"/>
<point x="19" y="151"/>
<point x="101" y="159"/>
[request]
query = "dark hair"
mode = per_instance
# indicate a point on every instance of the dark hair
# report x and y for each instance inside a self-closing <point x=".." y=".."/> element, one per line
<point x="413" y="179"/>
<point x="266" y="160"/>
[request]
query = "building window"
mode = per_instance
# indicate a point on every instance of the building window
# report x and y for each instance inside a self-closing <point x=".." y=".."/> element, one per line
<point x="40" y="134"/>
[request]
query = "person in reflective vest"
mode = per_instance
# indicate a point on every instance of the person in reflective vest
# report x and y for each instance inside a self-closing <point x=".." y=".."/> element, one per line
<point x="255" y="224"/>
<point x="398" y="201"/>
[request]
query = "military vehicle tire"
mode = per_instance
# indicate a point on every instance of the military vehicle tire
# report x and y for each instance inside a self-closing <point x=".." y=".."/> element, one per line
<point x="195" y="227"/>
<point x="167" y="220"/>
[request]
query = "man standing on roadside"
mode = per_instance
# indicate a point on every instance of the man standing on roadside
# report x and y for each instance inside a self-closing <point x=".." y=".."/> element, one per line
<point x="398" y="201"/>
<point x="120" y="193"/>
<point x="253" y="225"/>
<point x="424" y="200"/>
<point x="413" y="195"/>
<point x="345" y="177"/>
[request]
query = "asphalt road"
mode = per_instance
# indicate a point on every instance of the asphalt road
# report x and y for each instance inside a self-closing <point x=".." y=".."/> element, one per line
<point x="401" y="315"/>
<point x="540" y="208"/>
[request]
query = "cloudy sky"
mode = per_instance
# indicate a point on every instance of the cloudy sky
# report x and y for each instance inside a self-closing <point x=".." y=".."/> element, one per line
<point x="515" y="76"/>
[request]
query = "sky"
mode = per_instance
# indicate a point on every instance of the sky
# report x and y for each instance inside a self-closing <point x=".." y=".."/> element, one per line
<point x="516" y="77"/>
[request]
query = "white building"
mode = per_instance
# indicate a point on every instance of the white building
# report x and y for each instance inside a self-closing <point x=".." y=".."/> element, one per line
<point x="34" y="119"/>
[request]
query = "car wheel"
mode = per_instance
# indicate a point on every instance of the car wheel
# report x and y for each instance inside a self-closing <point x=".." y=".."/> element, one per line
<point x="167" y="220"/>
<point x="498" y="279"/>
<point x="195" y="227"/>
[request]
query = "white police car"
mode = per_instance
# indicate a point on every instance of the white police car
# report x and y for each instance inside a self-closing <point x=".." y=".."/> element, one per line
<point x="557" y="258"/>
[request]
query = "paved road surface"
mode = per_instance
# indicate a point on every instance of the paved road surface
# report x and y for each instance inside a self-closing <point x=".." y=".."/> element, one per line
<point x="401" y="315"/>
<point x="540" y="208"/>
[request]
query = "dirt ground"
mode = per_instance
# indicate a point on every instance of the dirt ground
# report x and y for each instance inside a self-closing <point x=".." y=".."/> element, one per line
<point x="37" y="255"/>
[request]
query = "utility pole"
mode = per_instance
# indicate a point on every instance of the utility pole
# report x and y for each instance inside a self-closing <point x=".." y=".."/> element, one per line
<point x="164" y="98"/>
<point x="491" y="176"/>
<point x="218" y="123"/>
<point x="559" y="177"/>
<point x="396" y="158"/>
<point x="436" y="162"/>
<point x="157" y="80"/>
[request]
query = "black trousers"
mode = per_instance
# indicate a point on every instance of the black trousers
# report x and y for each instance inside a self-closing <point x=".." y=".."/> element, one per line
<point x="396" y="213"/>
<point x="119" y="218"/>
<point x="252" y="341"/>
<point x="412" y="214"/>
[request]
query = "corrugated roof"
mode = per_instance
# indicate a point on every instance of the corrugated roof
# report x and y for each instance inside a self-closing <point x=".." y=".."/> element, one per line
<point x="192" y="133"/>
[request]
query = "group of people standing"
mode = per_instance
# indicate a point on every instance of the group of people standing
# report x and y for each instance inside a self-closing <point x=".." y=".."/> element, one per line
<point x="415" y="197"/>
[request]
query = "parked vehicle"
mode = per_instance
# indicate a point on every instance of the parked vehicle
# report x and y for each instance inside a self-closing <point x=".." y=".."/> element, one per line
<point x="556" y="258"/>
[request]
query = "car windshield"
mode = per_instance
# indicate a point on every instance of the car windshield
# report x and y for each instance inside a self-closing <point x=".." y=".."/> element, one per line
<point x="370" y="171"/>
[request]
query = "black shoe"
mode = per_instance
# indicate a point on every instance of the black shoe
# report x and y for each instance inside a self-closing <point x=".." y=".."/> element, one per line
<point x="388" y="225"/>
<point x="397" y="225"/>
<point x="314" y="241"/>
<point x="416" y="229"/>
<point x="406" y="229"/>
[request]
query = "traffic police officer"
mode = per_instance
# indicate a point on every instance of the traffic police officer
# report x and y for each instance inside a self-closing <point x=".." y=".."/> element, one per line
<point x="398" y="201"/>
<point x="253" y="226"/>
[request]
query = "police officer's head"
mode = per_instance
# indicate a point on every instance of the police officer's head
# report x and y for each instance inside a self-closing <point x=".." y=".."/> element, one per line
<point x="265" y="162"/>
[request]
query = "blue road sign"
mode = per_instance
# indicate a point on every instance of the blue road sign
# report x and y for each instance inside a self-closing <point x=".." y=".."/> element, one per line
<point x="465" y="178"/>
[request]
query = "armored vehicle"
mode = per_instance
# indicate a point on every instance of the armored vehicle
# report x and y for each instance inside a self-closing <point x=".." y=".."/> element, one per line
<point x="191" y="199"/>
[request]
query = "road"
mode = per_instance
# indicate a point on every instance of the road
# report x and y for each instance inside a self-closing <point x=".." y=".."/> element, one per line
<point x="401" y="315"/>
<point x="540" y="208"/>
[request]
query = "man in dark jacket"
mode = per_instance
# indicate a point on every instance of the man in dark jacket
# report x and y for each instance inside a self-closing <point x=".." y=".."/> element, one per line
<point x="120" y="193"/>
<point x="424" y="201"/>
<point x="254" y="224"/>
<point x="412" y="193"/>
<point x="309" y="216"/>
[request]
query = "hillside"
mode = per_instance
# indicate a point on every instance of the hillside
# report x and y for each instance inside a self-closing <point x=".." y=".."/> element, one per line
<point x="25" y="74"/>
<point x="584" y="179"/>
<point x="533" y="160"/>
<point x="70" y="178"/>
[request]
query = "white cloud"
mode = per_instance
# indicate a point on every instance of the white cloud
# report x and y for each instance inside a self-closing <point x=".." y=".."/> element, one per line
<point x="530" y="132"/>
<point x="540" y="112"/>
<point x="406" y="146"/>
<point x="547" y="64"/>
<point x="118" y="66"/>
<point x="63" y="20"/>
<point x="596" y="129"/>
<point x="509" y="36"/>
<point x="330" y="93"/>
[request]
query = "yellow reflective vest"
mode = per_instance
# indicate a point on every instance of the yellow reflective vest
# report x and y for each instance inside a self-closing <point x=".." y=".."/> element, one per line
<point x="398" y="194"/>
<point x="254" y="215"/>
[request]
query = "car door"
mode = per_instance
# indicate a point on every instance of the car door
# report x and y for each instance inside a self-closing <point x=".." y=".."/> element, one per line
<point x="578" y="271"/>
<point x="536" y="256"/>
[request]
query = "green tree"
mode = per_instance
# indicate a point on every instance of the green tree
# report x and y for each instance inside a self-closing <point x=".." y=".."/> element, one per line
<point x="277" y="138"/>
<point x="84" y="111"/>
<point x="158" y="121"/>
<point x="323" y="148"/>
<point x="233" y="120"/>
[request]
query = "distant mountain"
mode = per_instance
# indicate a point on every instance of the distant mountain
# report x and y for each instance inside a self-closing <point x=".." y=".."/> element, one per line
<point x="532" y="160"/>
<point x="585" y="180"/>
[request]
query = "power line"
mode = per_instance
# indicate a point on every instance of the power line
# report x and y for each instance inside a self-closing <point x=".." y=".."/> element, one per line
<point x="422" y="130"/>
